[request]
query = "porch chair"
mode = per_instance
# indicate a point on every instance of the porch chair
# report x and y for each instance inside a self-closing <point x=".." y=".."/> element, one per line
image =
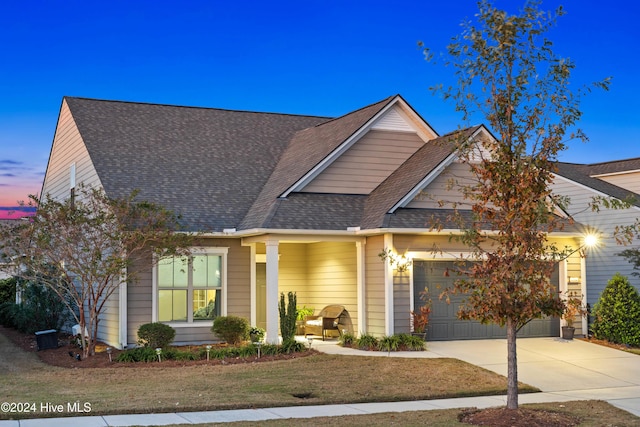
<point x="330" y="318"/>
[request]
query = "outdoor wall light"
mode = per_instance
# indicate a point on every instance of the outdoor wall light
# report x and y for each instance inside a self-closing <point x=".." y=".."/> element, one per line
<point x="590" y="240"/>
<point x="159" y="352"/>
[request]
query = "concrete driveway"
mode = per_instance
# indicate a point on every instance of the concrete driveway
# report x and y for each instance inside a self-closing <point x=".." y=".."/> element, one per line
<point x="575" y="369"/>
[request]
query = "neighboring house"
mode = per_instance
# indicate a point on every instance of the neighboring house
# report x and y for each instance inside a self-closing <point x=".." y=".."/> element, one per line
<point x="581" y="183"/>
<point x="285" y="203"/>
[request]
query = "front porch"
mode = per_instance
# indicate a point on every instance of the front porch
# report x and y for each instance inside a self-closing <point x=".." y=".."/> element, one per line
<point x="320" y="271"/>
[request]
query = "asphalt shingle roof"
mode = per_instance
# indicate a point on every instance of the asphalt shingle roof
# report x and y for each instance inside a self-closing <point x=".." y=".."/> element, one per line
<point x="208" y="165"/>
<point x="582" y="174"/>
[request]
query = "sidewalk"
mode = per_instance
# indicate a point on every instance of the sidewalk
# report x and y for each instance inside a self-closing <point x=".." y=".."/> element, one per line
<point x="281" y="413"/>
<point x="563" y="370"/>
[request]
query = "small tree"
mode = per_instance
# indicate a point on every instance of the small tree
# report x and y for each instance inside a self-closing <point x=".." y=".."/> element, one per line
<point x="288" y="316"/>
<point x="507" y="72"/>
<point x="82" y="249"/>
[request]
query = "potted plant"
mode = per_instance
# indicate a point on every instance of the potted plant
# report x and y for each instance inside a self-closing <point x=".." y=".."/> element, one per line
<point x="573" y="308"/>
<point x="301" y="314"/>
<point x="256" y="334"/>
<point x="420" y="319"/>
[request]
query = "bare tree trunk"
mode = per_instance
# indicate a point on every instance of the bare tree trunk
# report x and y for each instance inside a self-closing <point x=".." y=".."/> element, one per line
<point x="83" y="336"/>
<point x="512" y="366"/>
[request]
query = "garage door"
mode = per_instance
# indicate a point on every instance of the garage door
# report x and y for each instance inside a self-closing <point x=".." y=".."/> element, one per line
<point x="443" y="321"/>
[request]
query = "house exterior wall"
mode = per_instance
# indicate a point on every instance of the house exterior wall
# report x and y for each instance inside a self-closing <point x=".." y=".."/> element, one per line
<point x="445" y="188"/>
<point x="374" y="295"/>
<point x="627" y="180"/>
<point x="68" y="148"/>
<point x="601" y="262"/>
<point x="332" y="277"/>
<point x="238" y="295"/>
<point x="109" y="320"/>
<point x="292" y="271"/>
<point x="366" y="164"/>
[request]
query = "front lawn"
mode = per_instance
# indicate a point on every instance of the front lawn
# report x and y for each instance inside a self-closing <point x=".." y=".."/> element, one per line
<point x="312" y="380"/>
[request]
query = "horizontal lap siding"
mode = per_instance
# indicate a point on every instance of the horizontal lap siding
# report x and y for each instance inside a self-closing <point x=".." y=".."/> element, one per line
<point x="332" y="277"/>
<point x="238" y="277"/>
<point x="292" y="271"/>
<point x="366" y="164"/>
<point x="445" y="189"/>
<point x="109" y="325"/>
<point x="629" y="181"/>
<point x="68" y="148"/>
<point x="601" y="262"/>
<point x="140" y="294"/>
<point x="374" y="289"/>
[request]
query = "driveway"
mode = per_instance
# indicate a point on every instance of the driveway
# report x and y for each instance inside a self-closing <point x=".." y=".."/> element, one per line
<point x="576" y="368"/>
<point x="563" y="370"/>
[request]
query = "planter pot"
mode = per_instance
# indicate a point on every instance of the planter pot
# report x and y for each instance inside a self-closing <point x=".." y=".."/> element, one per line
<point x="567" y="332"/>
<point x="421" y="335"/>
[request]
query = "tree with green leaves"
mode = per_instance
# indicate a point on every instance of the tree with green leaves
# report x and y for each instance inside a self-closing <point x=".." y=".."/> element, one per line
<point x="507" y="72"/>
<point x="82" y="249"/>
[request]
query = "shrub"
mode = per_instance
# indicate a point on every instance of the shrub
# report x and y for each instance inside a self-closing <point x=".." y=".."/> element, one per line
<point x="367" y="342"/>
<point x="292" y="346"/>
<point x="617" y="313"/>
<point x="140" y="354"/>
<point x="8" y="290"/>
<point x="347" y="340"/>
<point x="232" y="329"/>
<point x="41" y="309"/>
<point x="411" y="342"/>
<point x="288" y="316"/>
<point x="154" y="335"/>
<point x="389" y="343"/>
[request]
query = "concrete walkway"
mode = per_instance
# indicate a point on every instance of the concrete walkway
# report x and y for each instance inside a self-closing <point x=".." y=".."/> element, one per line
<point x="563" y="370"/>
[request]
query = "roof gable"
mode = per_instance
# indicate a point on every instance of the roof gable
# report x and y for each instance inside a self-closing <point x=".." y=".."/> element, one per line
<point x="306" y="149"/>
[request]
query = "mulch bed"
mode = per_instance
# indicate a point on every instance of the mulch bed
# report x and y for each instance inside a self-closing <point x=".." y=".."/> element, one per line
<point x="502" y="417"/>
<point x="65" y="355"/>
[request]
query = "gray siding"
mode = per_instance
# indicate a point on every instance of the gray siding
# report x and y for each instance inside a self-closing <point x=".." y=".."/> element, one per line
<point x="601" y="262"/>
<point x="366" y="164"/>
<point x="374" y="290"/>
<point x="140" y="295"/>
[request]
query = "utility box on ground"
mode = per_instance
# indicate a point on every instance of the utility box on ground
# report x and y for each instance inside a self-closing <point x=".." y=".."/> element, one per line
<point x="47" y="339"/>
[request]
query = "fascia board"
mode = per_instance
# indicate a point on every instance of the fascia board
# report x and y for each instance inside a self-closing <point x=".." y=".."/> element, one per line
<point x="424" y="182"/>
<point x="349" y="142"/>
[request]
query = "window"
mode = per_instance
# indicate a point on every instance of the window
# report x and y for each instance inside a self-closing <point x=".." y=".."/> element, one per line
<point x="190" y="289"/>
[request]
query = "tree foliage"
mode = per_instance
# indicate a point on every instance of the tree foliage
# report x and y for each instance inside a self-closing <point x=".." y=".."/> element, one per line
<point x="82" y="249"/>
<point x="506" y="71"/>
<point x="617" y="313"/>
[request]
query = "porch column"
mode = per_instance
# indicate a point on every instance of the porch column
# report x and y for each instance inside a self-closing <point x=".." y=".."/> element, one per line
<point x="272" y="291"/>
<point x="388" y="289"/>
<point x="122" y="315"/>
<point x="360" y="274"/>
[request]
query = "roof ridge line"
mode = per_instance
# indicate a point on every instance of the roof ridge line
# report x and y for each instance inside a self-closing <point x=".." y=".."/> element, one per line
<point x="117" y="101"/>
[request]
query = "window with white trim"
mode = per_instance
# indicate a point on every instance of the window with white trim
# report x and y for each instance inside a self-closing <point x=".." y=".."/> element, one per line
<point x="190" y="289"/>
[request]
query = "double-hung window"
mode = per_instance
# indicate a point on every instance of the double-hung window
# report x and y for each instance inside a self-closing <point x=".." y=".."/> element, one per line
<point x="190" y="289"/>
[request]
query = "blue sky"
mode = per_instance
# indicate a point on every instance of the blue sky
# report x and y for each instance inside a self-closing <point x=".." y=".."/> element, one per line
<point x="302" y="57"/>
